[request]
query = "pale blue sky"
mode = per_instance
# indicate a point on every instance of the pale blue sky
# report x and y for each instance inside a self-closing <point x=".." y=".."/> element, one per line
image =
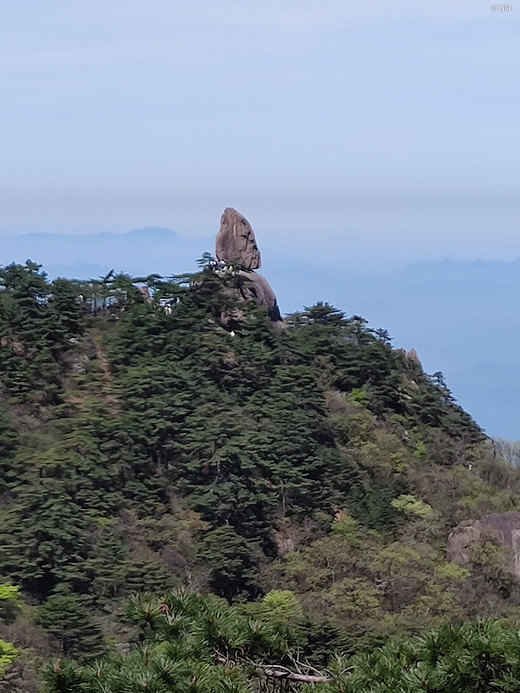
<point x="382" y="130"/>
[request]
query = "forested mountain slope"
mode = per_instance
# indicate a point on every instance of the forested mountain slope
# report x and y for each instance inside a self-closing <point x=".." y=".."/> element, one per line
<point x="308" y="476"/>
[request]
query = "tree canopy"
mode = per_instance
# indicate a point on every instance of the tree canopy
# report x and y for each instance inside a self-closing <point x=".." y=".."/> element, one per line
<point x="302" y="482"/>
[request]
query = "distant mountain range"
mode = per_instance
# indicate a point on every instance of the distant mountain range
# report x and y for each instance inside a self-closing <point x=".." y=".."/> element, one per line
<point x="461" y="317"/>
<point x="153" y="249"/>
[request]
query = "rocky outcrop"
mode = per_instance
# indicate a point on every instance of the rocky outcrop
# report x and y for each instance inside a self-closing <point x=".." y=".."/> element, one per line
<point x="505" y="527"/>
<point x="236" y="241"/>
<point x="237" y="250"/>
<point x="257" y="288"/>
<point x="16" y="347"/>
<point x="413" y="357"/>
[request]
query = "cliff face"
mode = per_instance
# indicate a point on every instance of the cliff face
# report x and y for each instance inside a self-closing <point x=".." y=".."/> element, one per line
<point x="236" y="245"/>
<point x="504" y="527"/>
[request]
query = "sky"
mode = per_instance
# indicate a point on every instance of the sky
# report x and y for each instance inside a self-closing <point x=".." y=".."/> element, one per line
<point x="368" y="133"/>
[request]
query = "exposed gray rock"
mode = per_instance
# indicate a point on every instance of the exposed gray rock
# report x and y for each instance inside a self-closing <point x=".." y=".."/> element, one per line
<point x="16" y="347"/>
<point x="503" y="526"/>
<point x="236" y="240"/>
<point x="412" y="356"/>
<point x="257" y="288"/>
<point x="236" y="243"/>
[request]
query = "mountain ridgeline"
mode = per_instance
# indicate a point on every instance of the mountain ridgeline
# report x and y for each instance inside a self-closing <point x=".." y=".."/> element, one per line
<point x="198" y="496"/>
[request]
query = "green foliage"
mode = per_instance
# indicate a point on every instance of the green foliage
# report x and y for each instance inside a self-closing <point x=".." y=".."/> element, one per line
<point x="469" y="658"/>
<point x="413" y="506"/>
<point x="8" y="654"/>
<point x="9" y="601"/>
<point x="8" y="443"/>
<point x="347" y="528"/>
<point x="193" y="643"/>
<point x="145" y="446"/>
<point x="187" y="642"/>
<point x="231" y="561"/>
<point x="65" y="616"/>
<point x="282" y="605"/>
<point x="37" y="320"/>
<point x="9" y="597"/>
<point x="9" y="592"/>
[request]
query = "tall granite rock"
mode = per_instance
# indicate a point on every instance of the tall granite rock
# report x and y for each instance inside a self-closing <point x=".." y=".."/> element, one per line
<point x="236" y="240"/>
<point x="236" y="244"/>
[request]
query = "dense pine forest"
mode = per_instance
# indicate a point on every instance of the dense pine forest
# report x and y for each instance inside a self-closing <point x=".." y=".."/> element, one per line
<point x="193" y="499"/>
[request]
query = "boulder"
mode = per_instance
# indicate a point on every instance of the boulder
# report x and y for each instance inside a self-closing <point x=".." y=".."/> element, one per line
<point x="236" y="241"/>
<point x="257" y="288"/>
<point x="238" y="254"/>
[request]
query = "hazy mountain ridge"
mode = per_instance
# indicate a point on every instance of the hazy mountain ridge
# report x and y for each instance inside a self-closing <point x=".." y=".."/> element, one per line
<point x="138" y="251"/>
<point x="461" y="317"/>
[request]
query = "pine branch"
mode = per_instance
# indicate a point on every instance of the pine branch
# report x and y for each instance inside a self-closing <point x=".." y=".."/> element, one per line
<point x="279" y="671"/>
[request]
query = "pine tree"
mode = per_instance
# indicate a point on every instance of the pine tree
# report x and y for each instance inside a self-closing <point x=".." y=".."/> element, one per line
<point x="66" y="617"/>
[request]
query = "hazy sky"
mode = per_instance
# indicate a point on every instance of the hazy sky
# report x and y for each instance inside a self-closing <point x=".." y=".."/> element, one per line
<point x="372" y="129"/>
